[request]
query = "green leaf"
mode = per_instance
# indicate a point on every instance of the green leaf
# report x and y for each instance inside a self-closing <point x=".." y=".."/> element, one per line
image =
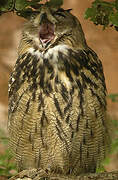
<point x="90" y="12"/>
<point x="106" y="161"/>
<point x="116" y="4"/>
<point x="21" y="4"/>
<point x="5" y="5"/>
<point x="103" y="13"/>
<point x="100" y="169"/>
<point x="55" y="3"/>
<point x="114" y="19"/>
<point x="25" y="13"/>
<point x="113" y="97"/>
<point x="114" y="146"/>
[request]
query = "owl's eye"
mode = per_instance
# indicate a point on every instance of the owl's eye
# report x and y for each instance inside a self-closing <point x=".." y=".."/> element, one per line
<point x="59" y="13"/>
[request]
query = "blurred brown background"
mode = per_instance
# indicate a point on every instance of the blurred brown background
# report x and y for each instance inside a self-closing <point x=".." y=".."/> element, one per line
<point x="105" y="44"/>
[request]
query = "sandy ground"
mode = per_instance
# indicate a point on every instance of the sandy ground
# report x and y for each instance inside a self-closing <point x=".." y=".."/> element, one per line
<point x="105" y="43"/>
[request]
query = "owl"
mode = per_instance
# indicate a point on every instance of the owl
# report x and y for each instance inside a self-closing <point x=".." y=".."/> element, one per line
<point x="57" y="97"/>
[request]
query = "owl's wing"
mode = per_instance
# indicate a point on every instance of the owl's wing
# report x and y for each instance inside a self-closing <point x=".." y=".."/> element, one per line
<point x="24" y="110"/>
<point x="90" y="137"/>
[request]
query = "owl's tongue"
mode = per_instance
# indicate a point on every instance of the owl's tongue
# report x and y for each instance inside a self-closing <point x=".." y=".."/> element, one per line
<point x="46" y="32"/>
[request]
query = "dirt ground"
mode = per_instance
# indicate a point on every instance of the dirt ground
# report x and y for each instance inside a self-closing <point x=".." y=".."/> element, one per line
<point x="105" y="44"/>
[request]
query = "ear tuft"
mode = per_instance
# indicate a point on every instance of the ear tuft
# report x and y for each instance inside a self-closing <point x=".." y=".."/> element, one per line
<point x="68" y="10"/>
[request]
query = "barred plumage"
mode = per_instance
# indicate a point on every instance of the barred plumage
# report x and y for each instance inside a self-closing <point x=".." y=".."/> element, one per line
<point x="57" y="98"/>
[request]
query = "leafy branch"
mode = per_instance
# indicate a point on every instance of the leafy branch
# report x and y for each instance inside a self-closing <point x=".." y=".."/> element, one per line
<point x="25" y="8"/>
<point x="100" y="13"/>
<point x="103" y="13"/>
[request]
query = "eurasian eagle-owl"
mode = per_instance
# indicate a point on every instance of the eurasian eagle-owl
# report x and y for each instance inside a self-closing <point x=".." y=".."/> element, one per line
<point x="57" y="97"/>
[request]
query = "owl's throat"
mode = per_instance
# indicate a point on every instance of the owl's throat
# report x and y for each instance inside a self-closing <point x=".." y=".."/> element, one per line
<point x="46" y="32"/>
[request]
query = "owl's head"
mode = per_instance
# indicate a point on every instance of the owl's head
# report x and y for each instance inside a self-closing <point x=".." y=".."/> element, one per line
<point x="53" y="26"/>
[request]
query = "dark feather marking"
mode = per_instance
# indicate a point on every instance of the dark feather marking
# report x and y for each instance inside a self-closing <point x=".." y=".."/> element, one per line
<point x="92" y="53"/>
<point x="93" y="72"/>
<point x="48" y="65"/>
<point x="84" y="60"/>
<point x="18" y="101"/>
<point x="72" y="134"/>
<point x="35" y="127"/>
<point x="98" y="149"/>
<point x="87" y="154"/>
<point x="74" y="68"/>
<point x="91" y="133"/>
<point x="66" y="65"/>
<point x="17" y="74"/>
<point x="49" y="87"/>
<point x="80" y="152"/>
<point x="70" y="125"/>
<point x="41" y="102"/>
<point x="24" y="55"/>
<point x="56" y="79"/>
<point x="67" y="69"/>
<point x="40" y="97"/>
<point x="81" y="104"/>
<point x="99" y="99"/>
<point x="88" y="80"/>
<point x="33" y="86"/>
<point x="80" y="86"/>
<point x="67" y="119"/>
<point x="26" y="60"/>
<point x="27" y="106"/>
<point x="64" y="92"/>
<point x="72" y="91"/>
<point x="39" y="107"/>
<point x="34" y="73"/>
<point x="68" y="106"/>
<point x="62" y="139"/>
<point x="62" y="132"/>
<point x="93" y="165"/>
<point x="95" y="65"/>
<point x="22" y="122"/>
<point x="41" y="135"/>
<point x="78" y="119"/>
<point x="81" y="58"/>
<point x="96" y="115"/>
<point x="52" y="76"/>
<point x="58" y="107"/>
<point x="84" y="140"/>
<point x="43" y="117"/>
<point x="30" y="137"/>
<point x="87" y="123"/>
<point x="46" y="118"/>
<point x="80" y="94"/>
<point x="33" y="95"/>
<point x="42" y="73"/>
<point x="59" y="133"/>
<point x="60" y="126"/>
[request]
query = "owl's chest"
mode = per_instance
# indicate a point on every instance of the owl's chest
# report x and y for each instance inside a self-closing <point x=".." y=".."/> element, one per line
<point x="48" y="71"/>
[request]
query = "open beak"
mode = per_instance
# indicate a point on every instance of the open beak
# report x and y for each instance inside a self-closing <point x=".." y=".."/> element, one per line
<point x="46" y="31"/>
